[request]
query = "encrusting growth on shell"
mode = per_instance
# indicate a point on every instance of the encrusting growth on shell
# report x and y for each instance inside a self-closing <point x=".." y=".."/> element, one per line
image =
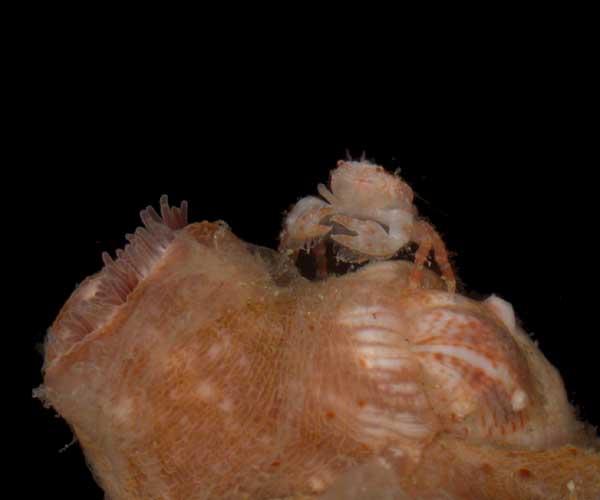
<point x="197" y="366"/>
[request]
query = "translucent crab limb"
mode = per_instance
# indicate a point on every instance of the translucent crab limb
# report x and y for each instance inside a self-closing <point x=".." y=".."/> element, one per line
<point x="370" y="239"/>
<point x="428" y="239"/>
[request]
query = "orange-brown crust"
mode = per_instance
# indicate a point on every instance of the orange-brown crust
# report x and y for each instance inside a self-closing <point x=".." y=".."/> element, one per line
<point x="214" y="381"/>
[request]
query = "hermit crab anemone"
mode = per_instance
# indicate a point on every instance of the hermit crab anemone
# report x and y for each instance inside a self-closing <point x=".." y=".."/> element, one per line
<point x="198" y="366"/>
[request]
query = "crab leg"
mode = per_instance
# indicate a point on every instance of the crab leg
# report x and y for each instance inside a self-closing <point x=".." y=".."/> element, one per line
<point x="425" y="245"/>
<point x="441" y="257"/>
<point x="427" y="238"/>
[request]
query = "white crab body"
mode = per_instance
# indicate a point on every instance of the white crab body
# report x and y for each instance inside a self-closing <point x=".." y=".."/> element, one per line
<point x="370" y="213"/>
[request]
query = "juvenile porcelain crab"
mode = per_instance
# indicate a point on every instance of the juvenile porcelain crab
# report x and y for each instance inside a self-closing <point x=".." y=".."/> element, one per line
<point x="370" y="213"/>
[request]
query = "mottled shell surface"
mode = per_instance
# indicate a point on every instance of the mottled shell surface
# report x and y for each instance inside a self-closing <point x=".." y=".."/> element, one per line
<point x="214" y="370"/>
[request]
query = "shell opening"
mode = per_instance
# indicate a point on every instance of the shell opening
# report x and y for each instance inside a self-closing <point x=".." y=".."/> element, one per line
<point x="96" y="300"/>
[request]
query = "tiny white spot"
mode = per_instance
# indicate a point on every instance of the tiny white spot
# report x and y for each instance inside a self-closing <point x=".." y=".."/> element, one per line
<point x="214" y="351"/>
<point x="205" y="390"/>
<point x="226" y="405"/>
<point x="122" y="410"/>
<point x="316" y="484"/>
<point x="518" y="400"/>
<point x="571" y="486"/>
<point x="462" y="407"/>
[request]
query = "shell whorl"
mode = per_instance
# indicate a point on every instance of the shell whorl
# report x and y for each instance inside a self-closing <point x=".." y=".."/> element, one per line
<point x="382" y="354"/>
<point x="440" y="363"/>
<point x="479" y="378"/>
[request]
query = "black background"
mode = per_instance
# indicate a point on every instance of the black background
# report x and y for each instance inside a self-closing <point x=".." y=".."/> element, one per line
<point x="503" y="171"/>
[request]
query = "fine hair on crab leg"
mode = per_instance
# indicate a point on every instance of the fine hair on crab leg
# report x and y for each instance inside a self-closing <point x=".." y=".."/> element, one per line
<point x="441" y="257"/>
<point x="421" y="255"/>
<point x="427" y="238"/>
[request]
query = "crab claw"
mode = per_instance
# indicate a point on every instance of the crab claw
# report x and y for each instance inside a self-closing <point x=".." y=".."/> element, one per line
<point x="303" y="226"/>
<point x="370" y="239"/>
